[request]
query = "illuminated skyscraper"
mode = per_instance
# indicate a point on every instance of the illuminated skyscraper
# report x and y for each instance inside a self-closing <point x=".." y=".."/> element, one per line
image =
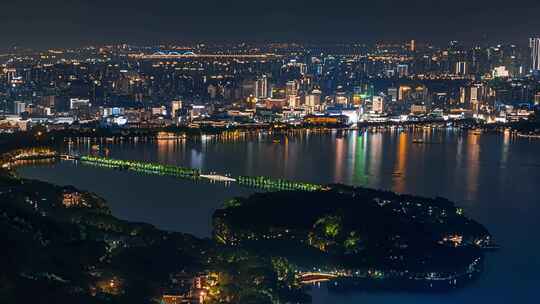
<point x="393" y="93"/>
<point x="261" y="87"/>
<point x="537" y="99"/>
<point x="404" y="92"/>
<point x="176" y="106"/>
<point x="378" y="104"/>
<point x="313" y="101"/>
<point x="477" y="97"/>
<point x="534" y="43"/>
<point x="291" y="88"/>
<point x="402" y="70"/>
<point x="19" y="107"/>
<point x="461" y="68"/>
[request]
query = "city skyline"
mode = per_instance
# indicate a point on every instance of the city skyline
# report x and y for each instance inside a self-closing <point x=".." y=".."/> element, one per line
<point x="56" y="23"/>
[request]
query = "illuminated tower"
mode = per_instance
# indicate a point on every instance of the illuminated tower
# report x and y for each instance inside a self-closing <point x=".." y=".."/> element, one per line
<point x="534" y="43"/>
<point x="292" y="88"/>
<point x="261" y="87"/>
<point x="402" y="70"/>
<point x="176" y="106"/>
<point x="461" y="68"/>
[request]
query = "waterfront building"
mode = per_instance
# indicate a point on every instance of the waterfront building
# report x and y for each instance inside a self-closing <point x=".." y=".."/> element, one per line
<point x="378" y="104"/>
<point x="312" y="101"/>
<point x="418" y="109"/>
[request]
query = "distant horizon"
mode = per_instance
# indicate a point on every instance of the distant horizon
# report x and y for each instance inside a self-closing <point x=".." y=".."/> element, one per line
<point x="192" y="42"/>
<point x="43" y="24"/>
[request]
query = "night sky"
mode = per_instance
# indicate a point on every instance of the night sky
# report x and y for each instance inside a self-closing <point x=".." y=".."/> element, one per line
<point x="42" y="23"/>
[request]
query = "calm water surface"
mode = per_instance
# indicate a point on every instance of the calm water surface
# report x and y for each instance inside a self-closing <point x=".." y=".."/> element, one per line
<point x="495" y="178"/>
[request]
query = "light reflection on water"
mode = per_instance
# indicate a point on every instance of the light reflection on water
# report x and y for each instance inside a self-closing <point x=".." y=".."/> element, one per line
<point x="495" y="177"/>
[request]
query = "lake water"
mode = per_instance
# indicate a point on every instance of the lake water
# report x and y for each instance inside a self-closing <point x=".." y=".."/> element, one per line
<point x="494" y="177"/>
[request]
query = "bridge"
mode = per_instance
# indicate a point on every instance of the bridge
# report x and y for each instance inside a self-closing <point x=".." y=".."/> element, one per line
<point x="260" y="182"/>
<point x="191" y="55"/>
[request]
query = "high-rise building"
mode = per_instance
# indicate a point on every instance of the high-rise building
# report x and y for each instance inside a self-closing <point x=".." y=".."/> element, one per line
<point x="212" y="91"/>
<point x="461" y="68"/>
<point x="357" y="95"/>
<point x="404" y="92"/>
<point x="537" y="99"/>
<point x="535" y="53"/>
<point x="19" y="107"/>
<point x="403" y="70"/>
<point x="464" y="95"/>
<point x="312" y="101"/>
<point x="378" y="104"/>
<point x="293" y="101"/>
<point x="48" y="101"/>
<point x="291" y="88"/>
<point x="477" y="96"/>
<point x="261" y="87"/>
<point x="393" y="93"/>
<point x="176" y="106"/>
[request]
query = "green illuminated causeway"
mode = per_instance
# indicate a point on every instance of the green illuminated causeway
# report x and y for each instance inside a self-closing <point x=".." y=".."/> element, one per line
<point x="261" y="182"/>
<point x="144" y="167"/>
<point x="276" y="184"/>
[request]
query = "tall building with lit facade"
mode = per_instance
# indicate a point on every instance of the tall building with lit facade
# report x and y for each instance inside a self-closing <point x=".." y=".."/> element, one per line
<point x="291" y="88"/>
<point x="393" y="94"/>
<point x="378" y="104"/>
<point x="404" y="92"/>
<point x="477" y="97"/>
<point x="403" y="70"/>
<point x="261" y="87"/>
<point x="537" y="99"/>
<point x="176" y="106"/>
<point x="19" y="107"/>
<point x="534" y="44"/>
<point x="312" y="101"/>
<point x="461" y="68"/>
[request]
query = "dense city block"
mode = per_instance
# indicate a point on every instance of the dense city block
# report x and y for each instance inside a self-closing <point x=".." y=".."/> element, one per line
<point x="252" y="85"/>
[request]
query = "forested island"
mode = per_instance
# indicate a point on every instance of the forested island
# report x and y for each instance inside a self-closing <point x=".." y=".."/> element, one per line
<point x="358" y="235"/>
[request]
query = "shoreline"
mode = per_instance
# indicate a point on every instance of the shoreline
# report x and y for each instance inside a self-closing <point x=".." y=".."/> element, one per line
<point x="38" y="157"/>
